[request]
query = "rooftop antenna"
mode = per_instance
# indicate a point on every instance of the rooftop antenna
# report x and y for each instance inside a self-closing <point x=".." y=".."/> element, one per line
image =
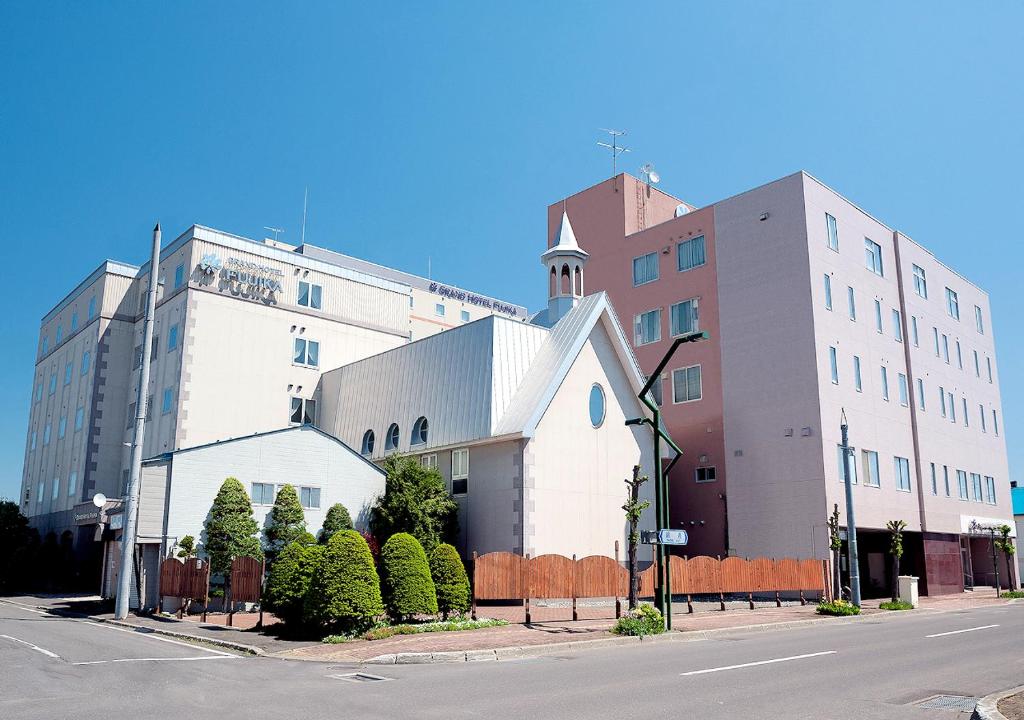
<point x="650" y="174"/>
<point x="305" y="202"/>
<point x="614" y="146"/>
<point x="276" y="231"/>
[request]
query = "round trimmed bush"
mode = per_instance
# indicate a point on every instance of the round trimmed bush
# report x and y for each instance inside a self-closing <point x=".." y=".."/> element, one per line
<point x="345" y="590"/>
<point x="450" y="580"/>
<point x="408" y="587"/>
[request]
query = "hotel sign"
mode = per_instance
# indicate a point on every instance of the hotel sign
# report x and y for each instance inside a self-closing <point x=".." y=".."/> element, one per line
<point x="481" y="301"/>
<point x="243" y="277"/>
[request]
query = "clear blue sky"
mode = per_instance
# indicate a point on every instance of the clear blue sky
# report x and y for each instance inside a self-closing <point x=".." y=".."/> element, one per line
<point x="444" y="130"/>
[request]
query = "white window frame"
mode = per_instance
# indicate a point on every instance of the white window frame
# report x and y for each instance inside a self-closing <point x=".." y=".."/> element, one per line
<point x="872" y="470"/>
<point x="314" y="295"/>
<point x="840" y="467"/>
<point x="429" y="461"/>
<point x="903" y="389"/>
<point x="873" y="257"/>
<point x="832" y="229"/>
<point x="979" y="320"/>
<point x="952" y="304"/>
<point x="306" y="491"/>
<point x="833" y="363"/>
<point x="464" y="315"/>
<point x="962" y="486"/>
<point x="460" y="471"/>
<point x="673" y="314"/>
<point x="921" y="404"/>
<point x="304" y="361"/>
<point x="828" y="292"/>
<point x="252" y="493"/>
<point x="885" y="383"/>
<point x="990" y="490"/>
<point x="977" y="492"/>
<point x="693" y="242"/>
<point x="858" y="381"/>
<point x="920" y="282"/>
<point x="638" y="328"/>
<point x="641" y="273"/>
<point x="700" y="373"/>
<point x="901" y="469"/>
<point x="897" y="325"/>
<point x="878" y="316"/>
<point x="851" y="301"/>
<point x="306" y="407"/>
<point x="439" y="309"/>
<point x="914" y="332"/>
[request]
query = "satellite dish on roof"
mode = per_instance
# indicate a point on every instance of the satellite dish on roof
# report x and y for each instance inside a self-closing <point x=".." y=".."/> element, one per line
<point x="681" y="209"/>
<point x="655" y="177"/>
<point x="650" y="174"/>
<point x="99" y="500"/>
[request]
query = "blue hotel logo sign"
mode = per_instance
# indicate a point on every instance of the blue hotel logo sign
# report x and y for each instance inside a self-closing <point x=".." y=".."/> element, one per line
<point x="463" y="296"/>
<point x="243" y="277"/>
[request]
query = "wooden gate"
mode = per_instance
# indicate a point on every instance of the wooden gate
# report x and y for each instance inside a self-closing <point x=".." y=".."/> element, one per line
<point x="246" y="583"/>
<point x="189" y="580"/>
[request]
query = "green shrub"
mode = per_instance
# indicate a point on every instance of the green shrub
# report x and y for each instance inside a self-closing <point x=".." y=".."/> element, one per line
<point x="345" y="590"/>
<point x="230" y="528"/>
<point x="386" y="631"/>
<point x="337" y="519"/>
<point x="288" y="582"/>
<point x="286" y="522"/>
<point x="896" y="605"/>
<point x="837" y="607"/>
<point x="645" y="620"/>
<point x="450" y="580"/>
<point x="407" y="585"/>
<point x="1012" y="594"/>
<point x="415" y="501"/>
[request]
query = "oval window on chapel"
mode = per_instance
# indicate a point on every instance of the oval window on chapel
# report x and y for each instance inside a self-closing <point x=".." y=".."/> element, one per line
<point x="597" y="405"/>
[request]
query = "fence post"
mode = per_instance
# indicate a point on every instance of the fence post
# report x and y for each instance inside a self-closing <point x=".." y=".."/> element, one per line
<point x="689" y="597"/>
<point x="750" y="593"/>
<point x="206" y="598"/>
<point x="618" y="600"/>
<point x="472" y="590"/>
<point x="721" y="594"/>
<point x="778" y="600"/>
<point x="527" y="587"/>
<point x="575" y="615"/>
<point x="263" y="577"/>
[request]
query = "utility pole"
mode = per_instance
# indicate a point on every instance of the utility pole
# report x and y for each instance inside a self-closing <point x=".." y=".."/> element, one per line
<point x="851" y="523"/>
<point x="124" y="576"/>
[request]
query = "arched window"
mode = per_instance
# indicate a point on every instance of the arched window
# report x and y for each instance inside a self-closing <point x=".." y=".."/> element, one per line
<point x="368" y="442"/>
<point x="566" y="281"/>
<point x="553" y="283"/>
<point x="578" y="282"/>
<point x="419" y="432"/>
<point x="391" y="441"/>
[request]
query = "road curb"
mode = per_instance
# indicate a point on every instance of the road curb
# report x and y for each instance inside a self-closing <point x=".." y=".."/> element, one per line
<point x="547" y="649"/>
<point x="987" y="707"/>
<point x="145" y="630"/>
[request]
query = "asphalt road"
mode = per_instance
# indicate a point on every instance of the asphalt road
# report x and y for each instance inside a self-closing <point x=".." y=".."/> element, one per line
<point x="876" y="667"/>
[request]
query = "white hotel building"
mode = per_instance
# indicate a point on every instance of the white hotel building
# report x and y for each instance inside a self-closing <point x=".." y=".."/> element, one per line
<point x="243" y="330"/>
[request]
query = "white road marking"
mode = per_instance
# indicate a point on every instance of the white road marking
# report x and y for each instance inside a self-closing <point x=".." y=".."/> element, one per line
<point x="154" y="636"/>
<point x="156" y="659"/>
<point x="44" y="651"/>
<point x="26" y="607"/>
<point x="759" y="662"/>
<point x="957" y="632"/>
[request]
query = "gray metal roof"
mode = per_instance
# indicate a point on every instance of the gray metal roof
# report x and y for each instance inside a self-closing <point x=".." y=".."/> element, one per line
<point x="490" y="378"/>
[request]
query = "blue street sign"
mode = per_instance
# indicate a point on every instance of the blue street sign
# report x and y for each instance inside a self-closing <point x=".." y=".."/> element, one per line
<point x="664" y="537"/>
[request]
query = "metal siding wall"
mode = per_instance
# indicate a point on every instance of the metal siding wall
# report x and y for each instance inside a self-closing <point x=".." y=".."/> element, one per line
<point x="515" y="346"/>
<point x="152" y="495"/>
<point x="390" y="387"/>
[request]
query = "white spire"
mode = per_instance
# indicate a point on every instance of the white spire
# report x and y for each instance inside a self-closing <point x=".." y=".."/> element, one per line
<point x="566" y="237"/>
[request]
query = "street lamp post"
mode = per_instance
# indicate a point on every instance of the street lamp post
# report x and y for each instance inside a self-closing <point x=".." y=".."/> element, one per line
<point x="663" y="572"/>
<point x="851" y="523"/>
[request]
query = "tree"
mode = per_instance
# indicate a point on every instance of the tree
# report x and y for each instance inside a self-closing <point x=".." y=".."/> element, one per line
<point x="289" y="580"/>
<point x="415" y="501"/>
<point x="835" y="544"/>
<point x="450" y="580"/>
<point x="285" y="522"/>
<point x="345" y="590"/>
<point x="337" y="519"/>
<point x="896" y="528"/>
<point x="187" y="547"/>
<point x="634" y="508"/>
<point x="230" y="528"/>
<point x="1005" y="544"/>
<point x="14" y="543"/>
<point x="408" y="588"/>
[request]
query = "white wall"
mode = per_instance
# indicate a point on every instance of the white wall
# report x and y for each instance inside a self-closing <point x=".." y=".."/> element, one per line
<point x="300" y="456"/>
<point x="574" y="473"/>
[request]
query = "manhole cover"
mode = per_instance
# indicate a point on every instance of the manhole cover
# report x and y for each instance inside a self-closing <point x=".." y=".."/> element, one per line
<point x="959" y="703"/>
<point x="360" y="677"/>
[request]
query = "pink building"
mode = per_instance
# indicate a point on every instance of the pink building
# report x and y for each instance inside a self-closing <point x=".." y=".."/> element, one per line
<point x="813" y="307"/>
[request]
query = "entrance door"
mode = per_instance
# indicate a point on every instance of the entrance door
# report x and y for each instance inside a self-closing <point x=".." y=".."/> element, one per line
<point x="965" y="562"/>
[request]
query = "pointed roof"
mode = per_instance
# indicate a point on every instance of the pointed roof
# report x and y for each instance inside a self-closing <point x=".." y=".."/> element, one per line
<point x="566" y="242"/>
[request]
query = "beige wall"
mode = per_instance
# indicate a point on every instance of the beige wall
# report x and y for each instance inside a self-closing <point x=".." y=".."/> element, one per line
<point x="574" y="473"/>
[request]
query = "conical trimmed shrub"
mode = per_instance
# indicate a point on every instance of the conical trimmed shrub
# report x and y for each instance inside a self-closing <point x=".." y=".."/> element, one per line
<point x="450" y="580"/>
<point x="230" y="528"/>
<point x="337" y="519"/>
<point x="408" y="587"/>
<point x="288" y="583"/>
<point x="286" y="523"/>
<point x="345" y="590"/>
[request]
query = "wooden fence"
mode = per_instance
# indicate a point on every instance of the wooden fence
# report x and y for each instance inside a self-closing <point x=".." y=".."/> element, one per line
<point x="189" y="580"/>
<point x="507" y="576"/>
<point x="246" y="584"/>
